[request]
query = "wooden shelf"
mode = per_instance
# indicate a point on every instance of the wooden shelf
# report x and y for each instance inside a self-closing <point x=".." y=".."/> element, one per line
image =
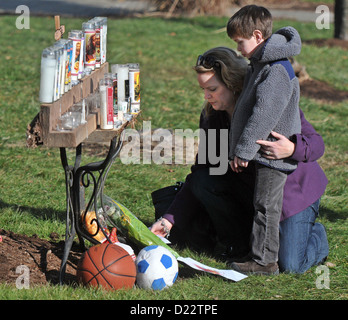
<point x="50" y="113"/>
<point x="71" y="138"/>
<point x="99" y="135"/>
<point x="42" y="130"/>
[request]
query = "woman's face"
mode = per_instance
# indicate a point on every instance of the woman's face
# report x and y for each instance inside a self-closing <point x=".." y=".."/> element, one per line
<point x="215" y="92"/>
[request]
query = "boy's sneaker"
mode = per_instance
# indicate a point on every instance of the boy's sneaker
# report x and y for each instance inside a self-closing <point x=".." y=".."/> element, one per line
<point x="252" y="267"/>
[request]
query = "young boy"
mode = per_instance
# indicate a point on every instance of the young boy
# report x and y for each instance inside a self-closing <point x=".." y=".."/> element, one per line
<point x="269" y="102"/>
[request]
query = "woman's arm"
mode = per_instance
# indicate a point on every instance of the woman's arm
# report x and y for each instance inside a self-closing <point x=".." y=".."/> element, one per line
<point x="309" y="144"/>
<point x="305" y="147"/>
<point x="185" y="205"/>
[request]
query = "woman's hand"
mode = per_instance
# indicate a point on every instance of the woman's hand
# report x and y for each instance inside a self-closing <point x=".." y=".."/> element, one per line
<point x="161" y="227"/>
<point x="280" y="149"/>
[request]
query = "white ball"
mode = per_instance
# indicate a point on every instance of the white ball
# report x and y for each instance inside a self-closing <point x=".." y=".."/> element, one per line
<point x="157" y="268"/>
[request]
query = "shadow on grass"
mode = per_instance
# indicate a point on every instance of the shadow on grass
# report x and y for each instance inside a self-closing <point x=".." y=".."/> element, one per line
<point x="331" y="215"/>
<point x="42" y="213"/>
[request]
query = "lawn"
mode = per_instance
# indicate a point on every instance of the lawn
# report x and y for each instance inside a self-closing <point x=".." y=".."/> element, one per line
<point x="32" y="187"/>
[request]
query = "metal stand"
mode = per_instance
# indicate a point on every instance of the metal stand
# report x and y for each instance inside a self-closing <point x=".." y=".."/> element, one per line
<point x="78" y="179"/>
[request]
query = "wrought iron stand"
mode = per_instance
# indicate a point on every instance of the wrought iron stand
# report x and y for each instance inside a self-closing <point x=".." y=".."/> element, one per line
<point x="78" y="179"/>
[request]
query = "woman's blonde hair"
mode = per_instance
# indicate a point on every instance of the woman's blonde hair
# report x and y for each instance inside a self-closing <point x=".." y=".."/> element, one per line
<point x="229" y="68"/>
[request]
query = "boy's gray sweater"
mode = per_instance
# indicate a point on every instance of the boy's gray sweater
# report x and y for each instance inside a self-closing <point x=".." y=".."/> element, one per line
<point x="269" y="101"/>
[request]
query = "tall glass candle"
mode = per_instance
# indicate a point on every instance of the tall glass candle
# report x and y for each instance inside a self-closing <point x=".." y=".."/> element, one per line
<point x="106" y="108"/>
<point x="134" y="86"/>
<point x="56" y="93"/>
<point x="75" y="37"/>
<point x="98" y="53"/>
<point x="48" y="70"/>
<point x="90" y="44"/>
<point x="122" y="71"/>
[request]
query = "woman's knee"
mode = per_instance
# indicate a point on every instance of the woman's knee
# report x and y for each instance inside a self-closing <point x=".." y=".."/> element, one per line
<point x="287" y="265"/>
<point x="199" y="183"/>
<point x="298" y="259"/>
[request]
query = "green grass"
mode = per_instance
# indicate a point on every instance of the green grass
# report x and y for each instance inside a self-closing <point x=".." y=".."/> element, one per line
<point x="32" y="187"/>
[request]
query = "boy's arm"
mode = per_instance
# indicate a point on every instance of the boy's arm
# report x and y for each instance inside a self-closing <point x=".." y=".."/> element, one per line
<point x="237" y="164"/>
<point x="272" y="96"/>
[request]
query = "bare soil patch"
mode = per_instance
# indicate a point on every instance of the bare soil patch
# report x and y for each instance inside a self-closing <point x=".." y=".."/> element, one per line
<point x="42" y="257"/>
<point x="319" y="90"/>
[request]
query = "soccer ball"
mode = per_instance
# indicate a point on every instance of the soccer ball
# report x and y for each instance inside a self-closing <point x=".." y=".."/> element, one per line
<point x="157" y="268"/>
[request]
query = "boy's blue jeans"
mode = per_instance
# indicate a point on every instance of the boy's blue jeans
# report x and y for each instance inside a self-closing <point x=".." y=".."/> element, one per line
<point x="303" y="242"/>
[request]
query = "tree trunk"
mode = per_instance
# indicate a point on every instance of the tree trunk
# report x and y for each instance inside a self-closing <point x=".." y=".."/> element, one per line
<point x="341" y="19"/>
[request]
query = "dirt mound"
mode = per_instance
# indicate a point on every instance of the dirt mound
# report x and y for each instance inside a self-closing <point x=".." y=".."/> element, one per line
<point x="319" y="90"/>
<point x="331" y="42"/>
<point x="284" y="4"/>
<point x="41" y="257"/>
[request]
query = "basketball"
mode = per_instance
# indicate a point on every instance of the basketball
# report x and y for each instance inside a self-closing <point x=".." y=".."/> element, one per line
<point x="106" y="265"/>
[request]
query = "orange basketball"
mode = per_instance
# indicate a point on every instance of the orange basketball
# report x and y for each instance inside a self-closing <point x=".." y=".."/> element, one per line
<point x="107" y="265"/>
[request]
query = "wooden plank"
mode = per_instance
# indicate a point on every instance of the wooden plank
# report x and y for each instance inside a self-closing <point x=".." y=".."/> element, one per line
<point x="71" y="139"/>
<point x="100" y="135"/>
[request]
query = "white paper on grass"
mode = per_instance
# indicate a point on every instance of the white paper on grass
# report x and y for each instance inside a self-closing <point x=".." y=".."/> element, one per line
<point x="228" y="274"/>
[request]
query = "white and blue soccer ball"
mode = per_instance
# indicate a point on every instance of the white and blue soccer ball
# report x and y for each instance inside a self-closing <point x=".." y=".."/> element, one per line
<point x="157" y="268"/>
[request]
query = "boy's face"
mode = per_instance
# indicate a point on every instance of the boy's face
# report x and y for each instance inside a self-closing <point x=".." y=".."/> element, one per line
<point x="247" y="46"/>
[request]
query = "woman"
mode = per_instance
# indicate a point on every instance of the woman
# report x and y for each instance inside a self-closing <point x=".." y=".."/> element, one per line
<point x="214" y="212"/>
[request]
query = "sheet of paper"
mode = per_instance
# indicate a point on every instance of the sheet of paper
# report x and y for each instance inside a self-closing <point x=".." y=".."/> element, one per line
<point x="228" y="274"/>
<point x="165" y="240"/>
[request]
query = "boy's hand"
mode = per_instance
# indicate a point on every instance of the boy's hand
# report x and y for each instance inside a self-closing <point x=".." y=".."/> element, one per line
<point x="238" y="164"/>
